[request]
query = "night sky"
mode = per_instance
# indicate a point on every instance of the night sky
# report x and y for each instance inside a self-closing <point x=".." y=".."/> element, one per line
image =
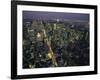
<point x="54" y="15"/>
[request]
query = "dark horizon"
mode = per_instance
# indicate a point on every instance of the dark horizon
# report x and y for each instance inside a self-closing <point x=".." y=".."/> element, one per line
<point x="55" y="15"/>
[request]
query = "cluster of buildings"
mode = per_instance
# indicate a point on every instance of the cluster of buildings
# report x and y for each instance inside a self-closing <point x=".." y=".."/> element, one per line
<point x="55" y="43"/>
